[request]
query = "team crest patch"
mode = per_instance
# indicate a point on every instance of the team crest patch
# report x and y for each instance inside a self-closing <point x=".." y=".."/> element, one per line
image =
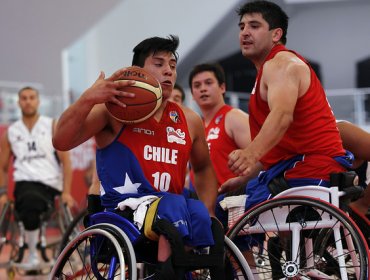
<point x="175" y="136"/>
<point x="174" y="116"/>
<point x="213" y="133"/>
<point x="218" y="119"/>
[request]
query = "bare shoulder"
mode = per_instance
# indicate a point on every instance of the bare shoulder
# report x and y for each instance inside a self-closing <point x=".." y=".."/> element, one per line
<point x="236" y="113"/>
<point x="194" y="121"/>
<point x="284" y="71"/>
<point x="237" y="123"/>
<point x="191" y="116"/>
<point x="285" y="61"/>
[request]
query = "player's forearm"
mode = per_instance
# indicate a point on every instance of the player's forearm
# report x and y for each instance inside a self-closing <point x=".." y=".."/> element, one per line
<point x="206" y="187"/>
<point x="67" y="179"/>
<point x="272" y="131"/>
<point x="70" y="127"/>
<point x="3" y="177"/>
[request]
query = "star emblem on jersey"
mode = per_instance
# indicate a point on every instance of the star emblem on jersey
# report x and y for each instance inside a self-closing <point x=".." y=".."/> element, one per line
<point x="128" y="187"/>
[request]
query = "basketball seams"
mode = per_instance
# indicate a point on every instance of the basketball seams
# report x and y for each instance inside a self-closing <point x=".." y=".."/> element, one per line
<point x="143" y="85"/>
<point x="148" y="97"/>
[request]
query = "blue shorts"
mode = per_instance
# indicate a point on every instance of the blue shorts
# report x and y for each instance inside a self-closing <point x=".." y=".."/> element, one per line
<point x="189" y="216"/>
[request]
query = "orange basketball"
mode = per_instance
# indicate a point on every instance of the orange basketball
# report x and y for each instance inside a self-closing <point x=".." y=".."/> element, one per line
<point x="148" y="97"/>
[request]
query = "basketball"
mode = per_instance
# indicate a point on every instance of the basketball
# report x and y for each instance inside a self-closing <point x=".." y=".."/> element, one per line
<point x="148" y="97"/>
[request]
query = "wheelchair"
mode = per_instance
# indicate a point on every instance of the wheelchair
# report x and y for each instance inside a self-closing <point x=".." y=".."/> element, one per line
<point x="13" y="246"/>
<point x="112" y="247"/>
<point x="302" y="233"/>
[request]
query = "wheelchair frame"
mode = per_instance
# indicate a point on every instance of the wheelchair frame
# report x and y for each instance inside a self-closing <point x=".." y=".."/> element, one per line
<point x="123" y="236"/>
<point x="270" y="218"/>
<point x="11" y="237"/>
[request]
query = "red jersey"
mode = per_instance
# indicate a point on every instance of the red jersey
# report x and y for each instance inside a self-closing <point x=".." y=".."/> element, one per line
<point x="220" y="145"/>
<point x="147" y="157"/>
<point x="313" y="132"/>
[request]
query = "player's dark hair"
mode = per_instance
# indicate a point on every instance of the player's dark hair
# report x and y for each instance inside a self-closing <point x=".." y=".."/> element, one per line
<point x="271" y="12"/>
<point x="180" y="89"/>
<point x="215" y="68"/>
<point x="153" y="45"/>
<point x="27" y="88"/>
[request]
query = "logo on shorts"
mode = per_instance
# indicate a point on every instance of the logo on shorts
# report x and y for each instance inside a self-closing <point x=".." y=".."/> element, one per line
<point x="175" y="136"/>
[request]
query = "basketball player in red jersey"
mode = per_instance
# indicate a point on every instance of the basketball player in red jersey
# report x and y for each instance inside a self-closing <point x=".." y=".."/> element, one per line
<point x="147" y="158"/>
<point x="226" y="128"/>
<point x="293" y="130"/>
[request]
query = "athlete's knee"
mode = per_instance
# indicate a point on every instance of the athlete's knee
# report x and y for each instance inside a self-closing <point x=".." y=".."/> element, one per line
<point x="31" y="209"/>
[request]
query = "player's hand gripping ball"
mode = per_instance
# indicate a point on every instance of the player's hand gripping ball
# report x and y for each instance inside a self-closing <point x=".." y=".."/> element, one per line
<point x="148" y="97"/>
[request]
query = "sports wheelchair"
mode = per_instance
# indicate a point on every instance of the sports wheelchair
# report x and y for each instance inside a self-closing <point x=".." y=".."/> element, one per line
<point x="302" y="233"/>
<point x="112" y="247"/>
<point x="13" y="246"/>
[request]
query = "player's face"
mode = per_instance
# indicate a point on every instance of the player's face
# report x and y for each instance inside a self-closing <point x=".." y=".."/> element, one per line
<point x="206" y="90"/>
<point x="255" y="38"/>
<point x="176" y="96"/>
<point x="29" y="102"/>
<point x="162" y="65"/>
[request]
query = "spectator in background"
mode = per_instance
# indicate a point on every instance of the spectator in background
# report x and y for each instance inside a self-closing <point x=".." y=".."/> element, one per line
<point x="40" y="172"/>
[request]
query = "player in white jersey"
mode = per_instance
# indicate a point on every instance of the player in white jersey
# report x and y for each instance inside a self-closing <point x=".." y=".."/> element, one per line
<point x="40" y="172"/>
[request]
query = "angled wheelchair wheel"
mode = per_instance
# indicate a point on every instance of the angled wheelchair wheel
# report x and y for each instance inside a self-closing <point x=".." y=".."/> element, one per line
<point x="301" y="238"/>
<point x="9" y="234"/>
<point x="74" y="228"/>
<point x="102" y="251"/>
<point x="236" y="266"/>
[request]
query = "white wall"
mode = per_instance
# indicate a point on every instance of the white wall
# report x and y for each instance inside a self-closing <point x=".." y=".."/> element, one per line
<point x="337" y="36"/>
<point x="132" y="21"/>
<point x="33" y="34"/>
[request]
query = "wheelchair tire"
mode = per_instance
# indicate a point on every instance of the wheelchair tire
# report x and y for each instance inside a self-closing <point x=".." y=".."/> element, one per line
<point x="236" y="267"/>
<point x="275" y="219"/>
<point x="9" y="234"/>
<point x="102" y="251"/>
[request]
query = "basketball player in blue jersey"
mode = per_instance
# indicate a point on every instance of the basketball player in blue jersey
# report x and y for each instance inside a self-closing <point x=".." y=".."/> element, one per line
<point x="130" y="163"/>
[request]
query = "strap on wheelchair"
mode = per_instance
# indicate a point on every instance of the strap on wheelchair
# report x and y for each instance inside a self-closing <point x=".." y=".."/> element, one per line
<point x="278" y="185"/>
<point x="188" y="260"/>
<point x="344" y="179"/>
<point x="348" y="183"/>
<point x="150" y="219"/>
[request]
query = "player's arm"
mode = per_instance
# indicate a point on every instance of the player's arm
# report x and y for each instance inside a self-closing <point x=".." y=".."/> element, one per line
<point x="65" y="160"/>
<point x="67" y="177"/>
<point x="204" y="176"/>
<point x="88" y="115"/>
<point x="237" y="127"/>
<point x="356" y="140"/>
<point x="282" y="78"/>
<point x="5" y="155"/>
